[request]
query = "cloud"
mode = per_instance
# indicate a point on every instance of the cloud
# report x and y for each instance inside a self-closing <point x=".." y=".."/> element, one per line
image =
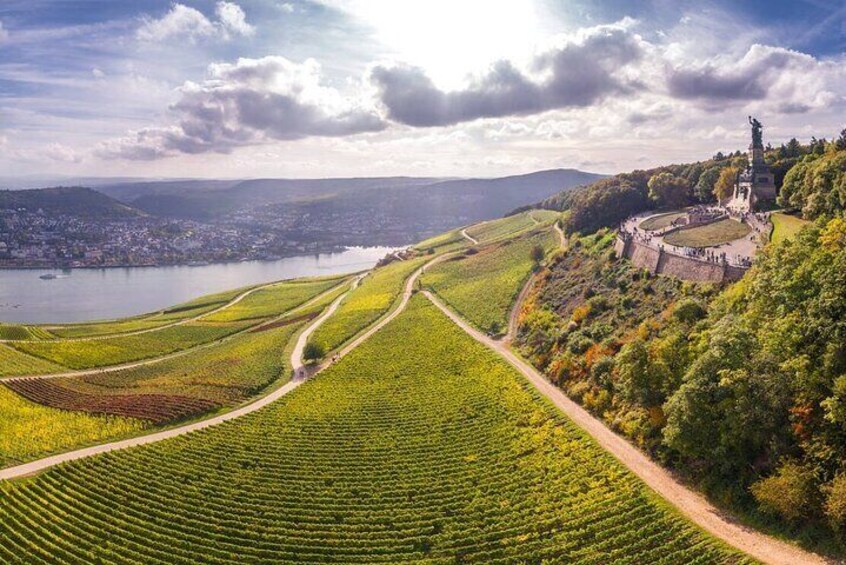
<point x="63" y="153"/>
<point x="246" y="103"/>
<point x="796" y="79"/>
<point x="4" y="34"/>
<point x="232" y="19"/>
<point x="186" y="22"/>
<point x="287" y="7"/>
<point x="581" y="70"/>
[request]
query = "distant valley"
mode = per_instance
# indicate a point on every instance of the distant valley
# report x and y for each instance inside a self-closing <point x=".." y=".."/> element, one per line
<point x="164" y="222"/>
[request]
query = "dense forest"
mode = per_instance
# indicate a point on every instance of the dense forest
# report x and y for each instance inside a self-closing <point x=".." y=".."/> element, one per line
<point x="743" y="388"/>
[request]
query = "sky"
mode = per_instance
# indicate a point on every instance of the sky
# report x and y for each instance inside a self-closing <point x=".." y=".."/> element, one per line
<point x="337" y="88"/>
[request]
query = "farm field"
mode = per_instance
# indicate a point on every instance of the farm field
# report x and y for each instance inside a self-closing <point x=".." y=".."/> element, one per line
<point x="660" y="221"/>
<point x="86" y="354"/>
<point x="13" y="362"/>
<point x="366" y="304"/>
<point x="785" y="226"/>
<point x="442" y="453"/>
<point x="482" y="287"/>
<point x="29" y="431"/>
<point x="709" y="235"/>
<point x="180" y="387"/>
<point x="503" y="227"/>
<point x="262" y="305"/>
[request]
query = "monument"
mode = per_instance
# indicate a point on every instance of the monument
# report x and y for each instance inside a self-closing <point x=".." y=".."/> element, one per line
<point x="755" y="185"/>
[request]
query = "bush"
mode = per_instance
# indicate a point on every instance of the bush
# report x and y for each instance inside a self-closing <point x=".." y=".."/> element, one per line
<point x="688" y="311"/>
<point x="835" y="500"/>
<point x="788" y="493"/>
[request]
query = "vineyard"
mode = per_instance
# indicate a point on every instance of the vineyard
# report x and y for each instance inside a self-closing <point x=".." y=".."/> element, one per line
<point x="14" y="362"/>
<point x="439" y="454"/>
<point x="105" y="350"/>
<point x="29" y="431"/>
<point x="366" y="304"/>
<point x="483" y="286"/>
<point x="194" y="308"/>
<point x="507" y="227"/>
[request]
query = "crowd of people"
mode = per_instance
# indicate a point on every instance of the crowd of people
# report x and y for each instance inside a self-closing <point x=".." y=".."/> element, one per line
<point x="629" y="230"/>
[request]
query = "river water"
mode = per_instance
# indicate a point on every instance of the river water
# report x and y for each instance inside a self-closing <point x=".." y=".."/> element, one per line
<point x="96" y="294"/>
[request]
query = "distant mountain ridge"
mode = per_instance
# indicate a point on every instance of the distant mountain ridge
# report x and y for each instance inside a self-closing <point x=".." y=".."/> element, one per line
<point x="71" y="200"/>
<point x="208" y="200"/>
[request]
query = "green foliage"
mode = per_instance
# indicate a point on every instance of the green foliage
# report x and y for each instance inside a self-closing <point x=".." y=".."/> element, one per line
<point x="816" y="185"/>
<point x="668" y="190"/>
<point x="440" y="452"/>
<point x="788" y="493"/>
<point x="313" y="352"/>
<point x="605" y="203"/>
<point x="724" y="186"/>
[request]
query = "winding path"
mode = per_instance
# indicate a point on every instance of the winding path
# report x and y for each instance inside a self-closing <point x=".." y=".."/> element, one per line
<point x="180" y="353"/>
<point x="33" y="467"/>
<point x="469" y="237"/>
<point x="692" y="504"/>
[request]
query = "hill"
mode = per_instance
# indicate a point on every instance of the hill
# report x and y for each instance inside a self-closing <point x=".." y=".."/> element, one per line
<point x="70" y="200"/>
<point x="467" y="199"/>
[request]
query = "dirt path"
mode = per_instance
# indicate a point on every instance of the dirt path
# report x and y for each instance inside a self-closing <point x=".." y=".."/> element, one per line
<point x="692" y="504"/>
<point x="232" y="302"/>
<point x="180" y="353"/>
<point x="469" y="237"/>
<point x="33" y="467"/>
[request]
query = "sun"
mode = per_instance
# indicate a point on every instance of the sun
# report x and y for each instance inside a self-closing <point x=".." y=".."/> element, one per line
<point x="451" y="38"/>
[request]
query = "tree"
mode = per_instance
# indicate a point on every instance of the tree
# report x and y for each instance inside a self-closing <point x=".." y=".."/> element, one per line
<point x="704" y="189"/>
<point x="724" y="187"/>
<point x="668" y="190"/>
<point x="840" y="142"/>
<point x="537" y="254"/>
<point x="313" y="352"/>
<point x="789" y="493"/>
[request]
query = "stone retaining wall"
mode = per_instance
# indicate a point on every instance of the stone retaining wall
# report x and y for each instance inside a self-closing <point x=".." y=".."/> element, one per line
<point x="663" y="263"/>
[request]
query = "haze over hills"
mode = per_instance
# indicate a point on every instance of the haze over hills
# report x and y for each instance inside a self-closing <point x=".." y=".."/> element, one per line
<point x="467" y="200"/>
<point x="179" y="221"/>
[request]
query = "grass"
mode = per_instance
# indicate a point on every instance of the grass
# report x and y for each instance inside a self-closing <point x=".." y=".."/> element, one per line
<point x="437" y="453"/>
<point x="660" y="221"/>
<point x="371" y="300"/>
<point x="443" y="242"/>
<point x="482" y="287"/>
<point x="28" y="430"/>
<point x="709" y="235"/>
<point x="785" y="226"/>
<point x="274" y="300"/>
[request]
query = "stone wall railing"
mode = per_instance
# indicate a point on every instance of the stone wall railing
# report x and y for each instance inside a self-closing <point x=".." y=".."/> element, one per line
<point x="659" y="261"/>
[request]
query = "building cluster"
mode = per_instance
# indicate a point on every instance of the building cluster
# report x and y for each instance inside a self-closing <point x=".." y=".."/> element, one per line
<point x="33" y="238"/>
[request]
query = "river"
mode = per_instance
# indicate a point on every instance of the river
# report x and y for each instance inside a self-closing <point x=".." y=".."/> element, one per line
<point x="97" y="294"/>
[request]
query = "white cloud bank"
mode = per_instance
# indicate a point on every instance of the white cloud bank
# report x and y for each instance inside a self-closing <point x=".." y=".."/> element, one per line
<point x="593" y="71"/>
<point x="186" y="22"/>
<point x="246" y="103"/>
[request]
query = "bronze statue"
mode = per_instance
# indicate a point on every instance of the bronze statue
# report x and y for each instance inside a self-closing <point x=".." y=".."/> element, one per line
<point x="757" y="138"/>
